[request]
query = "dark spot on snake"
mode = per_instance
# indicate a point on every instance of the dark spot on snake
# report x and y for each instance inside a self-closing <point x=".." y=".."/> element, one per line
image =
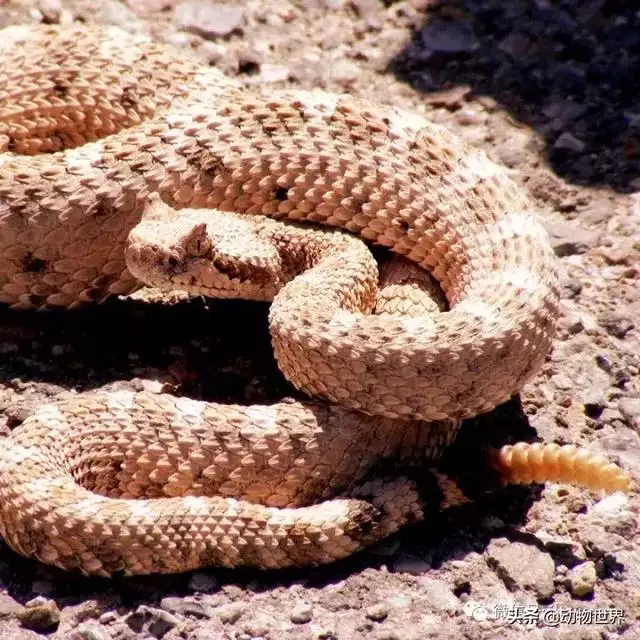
<point x="37" y="301"/>
<point x="94" y="294"/>
<point x="281" y="193"/>
<point x="118" y="574"/>
<point x="402" y="224"/>
<point x="205" y="161"/>
<point x="230" y="270"/>
<point x="100" y="209"/>
<point x="11" y="144"/>
<point x="60" y="90"/>
<point x="129" y="98"/>
<point x="99" y="285"/>
<point x="32" y="265"/>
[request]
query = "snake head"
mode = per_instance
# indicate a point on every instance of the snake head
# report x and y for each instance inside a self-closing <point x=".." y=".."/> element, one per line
<point x="204" y="252"/>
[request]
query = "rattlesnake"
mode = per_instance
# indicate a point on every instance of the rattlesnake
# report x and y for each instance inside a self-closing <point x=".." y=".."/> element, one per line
<point x="94" y="121"/>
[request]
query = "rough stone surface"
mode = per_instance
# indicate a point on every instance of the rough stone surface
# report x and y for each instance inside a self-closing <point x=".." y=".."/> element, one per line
<point x="582" y="579"/>
<point x="40" y="614"/>
<point x="568" y="239"/>
<point x="209" y="19"/>
<point x="302" y="613"/>
<point x="522" y="566"/>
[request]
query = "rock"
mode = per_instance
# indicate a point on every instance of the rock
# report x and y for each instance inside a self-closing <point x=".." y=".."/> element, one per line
<point x="616" y="323"/>
<point x="377" y="612"/>
<point x="369" y="10"/>
<point x="451" y="99"/>
<point x="621" y="252"/>
<point x="212" y="52"/>
<point x="513" y="151"/>
<point x="469" y="117"/>
<point x="50" y="10"/>
<point x="582" y="579"/>
<point x="449" y="38"/>
<point x="274" y="73"/>
<point x="90" y="631"/>
<point x="230" y="613"/>
<point x="159" y="622"/>
<point x="209" y="19"/>
<point x="259" y="627"/>
<point x="42" y="587"/>
<point x="568" y="142"/>
<point x="344" y="72"/>
<point x="186" y="606"/>
<point x="563" y="547"/>
<point x="630" y="410"/>
<point x="115" y="13"/>
<point x="39" y="614"/>
<point x="108" y="617"/>
<point x="594" y="399"/>
<point x="301" y="613"/>
<point x="331" y="5"/>
<point x="515" y="44"/>
<point x="568" y="239"/>
<point x="145" y="7"/>
<point x="9" y="606"/>
<point x="522" y="566"/>
<point x="202" y="582"/>
<point x="407" y="563"/>
<point x="610" y="507"/>
<point x="439" y="595"/>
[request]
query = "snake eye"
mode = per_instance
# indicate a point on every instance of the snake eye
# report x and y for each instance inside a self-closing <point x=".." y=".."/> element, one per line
<point x="198" y="243"/>
<point x="174" y="263"/>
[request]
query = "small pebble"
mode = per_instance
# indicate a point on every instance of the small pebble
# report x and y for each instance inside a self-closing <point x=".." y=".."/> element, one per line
<point x="301" y="613"/>
<point x="230" y="613"/>
<point x="40" y="614"/>
<point x="568" y="142"/>
<point x="90" y="631"/>
<point x="202" y="582"/>
<point x="377" y="612"/>
<point x="582" y="579"/>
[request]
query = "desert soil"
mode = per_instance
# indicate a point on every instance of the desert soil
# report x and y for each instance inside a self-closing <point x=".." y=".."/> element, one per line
<point x="548" y="89"/>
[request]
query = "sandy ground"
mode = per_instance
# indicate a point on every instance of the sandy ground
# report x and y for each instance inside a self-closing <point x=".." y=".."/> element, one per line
<point x="548" y="90"/>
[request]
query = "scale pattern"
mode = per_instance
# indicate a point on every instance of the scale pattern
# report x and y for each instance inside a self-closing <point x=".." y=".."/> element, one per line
<point x="92" y="124"/>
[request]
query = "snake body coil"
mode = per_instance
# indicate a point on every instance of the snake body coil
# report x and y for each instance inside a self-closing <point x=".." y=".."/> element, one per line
<point x="92" y="122"/>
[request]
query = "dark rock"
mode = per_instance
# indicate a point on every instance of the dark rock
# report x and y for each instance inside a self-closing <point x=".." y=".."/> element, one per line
<point x="568" y="239"/>
<point x="449" y="37"/>
<point x="616" y="323"/>
<point x="202" y="582"/>
<point x="40" y="614"/>
<point x="568" y="142"/>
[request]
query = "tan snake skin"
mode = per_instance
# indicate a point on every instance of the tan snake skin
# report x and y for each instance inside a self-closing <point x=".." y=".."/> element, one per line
<point x="126" y="118"/>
